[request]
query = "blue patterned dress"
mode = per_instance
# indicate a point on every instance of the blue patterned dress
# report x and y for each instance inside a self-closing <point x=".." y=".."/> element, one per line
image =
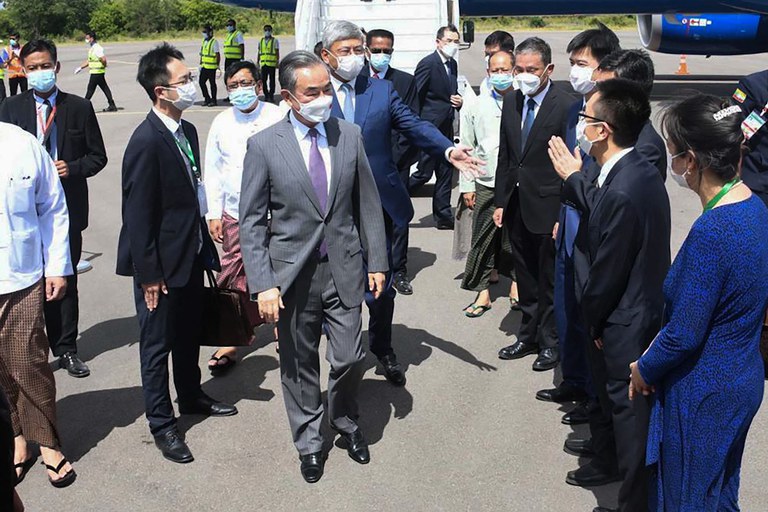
<point x="705" y="363"/>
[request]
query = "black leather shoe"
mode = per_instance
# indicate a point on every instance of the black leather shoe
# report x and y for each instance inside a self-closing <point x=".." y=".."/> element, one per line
<point x="591" y="476"/>
<point x="561" y="394"/>
<point x="402" y="284"/>
<point x="392" y="370"/>
<point x="207" y="406"/>
<point x="517" y="350"/>
<point x="577" y="416"/>
<point x="312" y="466"/>
<point x="547" y="360"/>
<point x="579" y="447"/>
<point x="445" y="226"/>
<point x="74" y="365"/>
<point x="357" y="447"/>
<point x="173" y="447"/>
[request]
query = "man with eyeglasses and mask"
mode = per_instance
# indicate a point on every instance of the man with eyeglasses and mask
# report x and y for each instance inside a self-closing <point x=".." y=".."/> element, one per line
<point x="527" y="196"/>
<point x="377" y="109"/>
<point x="380" y="46"/>
<point x="224" y="154"/>
<point x="66" y="126"/>
<point x="164" y="245"/>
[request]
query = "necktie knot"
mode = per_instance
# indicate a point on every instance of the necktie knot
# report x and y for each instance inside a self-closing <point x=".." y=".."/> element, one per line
<point x="531" y="104"/>
<point x="347" y="88"/>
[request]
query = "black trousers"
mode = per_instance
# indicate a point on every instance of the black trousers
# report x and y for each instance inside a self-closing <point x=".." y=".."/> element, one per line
<point x="62" y="317"/>
<point x="400" y="236"/>
<point x="2" y="89"/>
<point x="7" y="472"/>
<point x="208" y="76"/>
<point x="443" y="170"/>
<point x="173" y="328"/>
<point x="619" y="429"/>
<point x="533" y="257"/>
<point x="382" y="310"/>
<point x="17" y="85"/>
<point x="268" y="77"/>
<point x="99" y="80"/>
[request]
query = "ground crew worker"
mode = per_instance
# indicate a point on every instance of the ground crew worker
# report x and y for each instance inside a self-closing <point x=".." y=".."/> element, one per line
<point x="752" y="96"/>
<point x="17" y="79"/>
<point x="234" y="45"/>
<point x="97" y="63"/>
<point x="210" y="60"/>
<point x="269" y="56"/>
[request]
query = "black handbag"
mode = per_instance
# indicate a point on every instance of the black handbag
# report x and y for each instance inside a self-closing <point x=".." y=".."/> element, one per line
<point x="225" y="320"/>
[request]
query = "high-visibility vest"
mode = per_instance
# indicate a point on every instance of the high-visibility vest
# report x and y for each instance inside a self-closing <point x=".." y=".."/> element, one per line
<point x="15" y="69"/>
<point x="232" y="49"/>
<point x="94" y="63"/>
<point x="207" y="55"/>
<point x="2" y="73"/>
<point x="268" y="52"/>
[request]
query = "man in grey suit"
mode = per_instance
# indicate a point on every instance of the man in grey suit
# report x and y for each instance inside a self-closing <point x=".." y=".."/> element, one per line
<point x="310" y="171"/>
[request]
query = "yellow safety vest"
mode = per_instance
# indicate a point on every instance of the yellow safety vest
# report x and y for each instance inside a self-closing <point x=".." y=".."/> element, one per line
<point x="207" y="55"/>
<point x="268" y="52"/>
<point x="94" y="64"/>
<point x="232" y="49"/>
<point x="2" y="73"/>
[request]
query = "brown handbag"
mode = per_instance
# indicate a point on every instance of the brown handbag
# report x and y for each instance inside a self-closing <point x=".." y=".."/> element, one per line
<point x="225" y="320"/>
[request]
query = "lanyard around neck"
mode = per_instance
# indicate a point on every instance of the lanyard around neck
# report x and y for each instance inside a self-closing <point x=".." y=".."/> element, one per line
<point x="187" y="150"/>
<point x="726" y="188"/>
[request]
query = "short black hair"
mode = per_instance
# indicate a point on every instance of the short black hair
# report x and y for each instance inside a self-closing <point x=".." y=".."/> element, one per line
<point x="92" y="35"/>
<point x="267" y="27"/>
<point x="153" y="67"/>
<point x="208" y="28"/>
<point x="499" y="38"/>
<point x="379" y="32"/>
<point x="624" y="105"/>
<point x="710" y="127"/>
<point x="39" y="45"/>
<point x="230" y="21"/>
<point x="318" y="49"/>
<point x="447" y="28"/>
<point x="536" y="45"/>
<point x="635" y="65"/>
<point x="237" y="66"/>
<point x="13" y="33"/>
<point x="601" y="41"/>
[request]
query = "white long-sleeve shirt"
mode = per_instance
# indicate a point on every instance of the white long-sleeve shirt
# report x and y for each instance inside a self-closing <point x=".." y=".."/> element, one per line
<point x="225" y="152"/>
<point x="480" y="129"/>
<point x="34" y="221"/>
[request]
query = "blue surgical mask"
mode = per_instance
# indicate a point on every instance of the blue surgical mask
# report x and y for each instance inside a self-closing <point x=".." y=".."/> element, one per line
<point x="501" y="81"/>
<point x="230" y="28"/>
<point x="379" y="61"/>
<point x="267" y="33"/>
<point x="42" y="81"/>
<point x="243" y="98"/>
<point x="13" y="42"/>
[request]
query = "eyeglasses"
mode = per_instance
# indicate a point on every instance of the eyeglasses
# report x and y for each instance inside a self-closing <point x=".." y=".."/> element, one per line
<point x="388" y="51"/>
<point x="585" y="116"/>
<point x="187" y="79"/>
<point x="346" y="51"/>
<point x="242" y="83"/>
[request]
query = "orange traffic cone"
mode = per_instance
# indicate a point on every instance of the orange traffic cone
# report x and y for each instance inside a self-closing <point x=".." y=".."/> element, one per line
<point x="683" y="68"/>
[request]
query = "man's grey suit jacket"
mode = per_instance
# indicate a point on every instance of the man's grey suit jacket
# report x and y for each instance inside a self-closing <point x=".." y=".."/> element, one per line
<point x="275" y="178"/>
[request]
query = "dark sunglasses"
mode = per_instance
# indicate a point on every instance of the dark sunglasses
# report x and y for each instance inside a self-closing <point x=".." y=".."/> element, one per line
<point x="388" y="51"/>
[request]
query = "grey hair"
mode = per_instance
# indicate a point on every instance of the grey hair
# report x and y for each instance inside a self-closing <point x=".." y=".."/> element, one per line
<point x="535" y="45"/>
<point x="340" y="30"/>
<point x="298" y="59"/>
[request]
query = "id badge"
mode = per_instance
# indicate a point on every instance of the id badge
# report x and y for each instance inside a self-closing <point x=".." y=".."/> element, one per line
<point x="752" y="124"/>
<point x="202" y="200"/>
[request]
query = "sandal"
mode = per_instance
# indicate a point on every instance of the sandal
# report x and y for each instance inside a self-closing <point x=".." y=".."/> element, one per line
<point x="475" y="308"/>
<point x="220" y="369"/>
<point x="63" y="481"/>
<point x="514" y="304"/>
<point x="24" y="467"/>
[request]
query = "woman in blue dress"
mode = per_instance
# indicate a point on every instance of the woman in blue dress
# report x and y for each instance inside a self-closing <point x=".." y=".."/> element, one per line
<point x="705" y="365"/>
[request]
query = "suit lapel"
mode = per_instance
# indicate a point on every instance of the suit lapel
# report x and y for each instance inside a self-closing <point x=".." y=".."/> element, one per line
<point x="335" y="107"/>
<point x="443" y="72"/>
<point x="171" y="143"/>
<point x="337" y="149"/>
<point x="292" y="154"/>
<point x="62" y="109"/>
<point x="541" y="116"/>
<point x="362" y="100"/>
<point x="30" y="114"/>
<point x="617" y="168"/>
<point x="516" y="132"/>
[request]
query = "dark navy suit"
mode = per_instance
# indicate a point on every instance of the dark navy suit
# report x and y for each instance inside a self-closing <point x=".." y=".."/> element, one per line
<point x="752" y="94"/>
<point x="378" y="111"/>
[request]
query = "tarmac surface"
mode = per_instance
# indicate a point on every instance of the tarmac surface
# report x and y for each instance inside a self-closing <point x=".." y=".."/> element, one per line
<point x="465" y="433"/>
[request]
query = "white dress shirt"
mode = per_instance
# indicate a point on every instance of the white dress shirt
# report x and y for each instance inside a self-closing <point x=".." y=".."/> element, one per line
<point x="607" y="167"/>
<point x="225" y="153"/>
<point x="341" y="92"/>
<point x="34" y="222"/>
<point x="305" y="143"/>
<point x="42" y="114"/>
<point x="539" y="99"/>
<point x="445" y="62"/>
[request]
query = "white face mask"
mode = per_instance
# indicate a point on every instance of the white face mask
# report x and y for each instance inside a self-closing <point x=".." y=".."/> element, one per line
<point x="450" y="50"/>
<point x="679" y="178"/>
<point x="317" y="110"/>
<point x="349" y="66"/>
<point x="528" y="83"/>
<point x="581" y="137"/>
<point x="581" y="80"/>
<point x="187" y="96"/>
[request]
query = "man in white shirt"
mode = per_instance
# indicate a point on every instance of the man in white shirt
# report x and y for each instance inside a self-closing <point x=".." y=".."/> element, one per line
<point x="97" y="63"/>
<point x="225" y="151"/>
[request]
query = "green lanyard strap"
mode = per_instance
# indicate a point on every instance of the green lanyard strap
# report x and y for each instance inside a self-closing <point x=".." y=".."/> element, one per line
<point x="727" y="188"/>
<point x="187" y="150"/>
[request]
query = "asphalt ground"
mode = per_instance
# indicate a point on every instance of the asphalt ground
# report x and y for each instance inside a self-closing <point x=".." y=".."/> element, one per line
<point x="465" y="434"/>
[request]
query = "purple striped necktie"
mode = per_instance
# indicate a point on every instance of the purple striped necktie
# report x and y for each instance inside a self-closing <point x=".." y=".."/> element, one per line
<point x="319" y="179"/>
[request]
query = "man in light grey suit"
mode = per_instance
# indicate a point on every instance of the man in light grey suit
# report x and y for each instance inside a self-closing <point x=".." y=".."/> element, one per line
<point x="310" y="171"/>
